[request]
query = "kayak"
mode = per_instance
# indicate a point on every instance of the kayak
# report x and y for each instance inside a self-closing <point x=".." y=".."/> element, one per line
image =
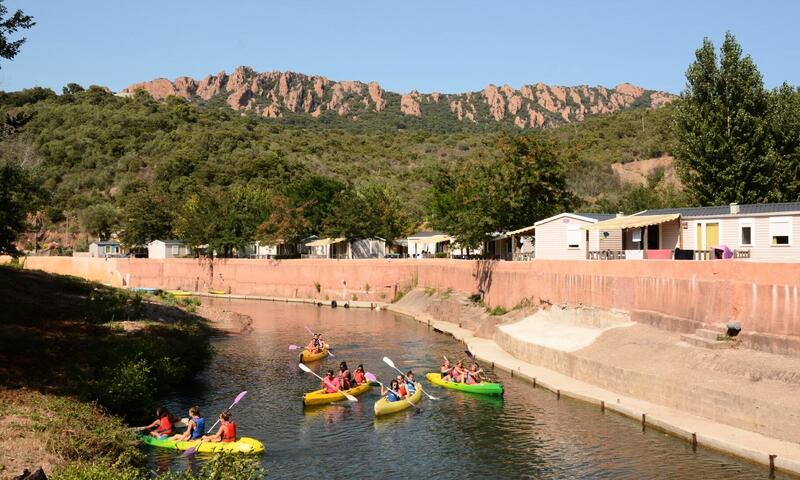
<point x="179" y="293"/>
<point x="144" y="290"/>
<point x="484" y="388"/>
<point x="217" y="292"/>
<point x="306" y="356"/>
<point x="319" y="397"/>
<point x="243" y="445"/>
<point x="385" y="407"/>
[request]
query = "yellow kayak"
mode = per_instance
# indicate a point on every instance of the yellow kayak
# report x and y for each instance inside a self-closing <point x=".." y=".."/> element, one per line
<point x="319" y="397"/>
<point x="385" y="407"/>
<point x="243" y="445"/>
<point x="306" y="356"/>
<point x="217" y="292"/>
<point x="179" y="293"/>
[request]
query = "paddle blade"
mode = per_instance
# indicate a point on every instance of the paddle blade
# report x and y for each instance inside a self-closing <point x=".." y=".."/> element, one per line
<point x="239" y="397"/>
<point x="304" y="368"/>
<point x="189" y="451"/>
<point x="309" y="330"/>
<point x="469" y="354"/>
<point x="331" y="353"/>
<point x="293" y="347"/>
<point x="371" y="377"/>
<point x="389" y="362"/>
<point x="350" y="397"/>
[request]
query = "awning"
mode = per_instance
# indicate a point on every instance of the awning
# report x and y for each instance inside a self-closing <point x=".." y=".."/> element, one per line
<point x="522" y="230"/>
<point x="325" y="241"/>
<point x="632" y="221"/>
<point x="431" y="239"/>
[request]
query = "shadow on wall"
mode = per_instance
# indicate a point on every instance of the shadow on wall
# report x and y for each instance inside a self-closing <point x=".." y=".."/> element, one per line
<point x="483" y="275"/>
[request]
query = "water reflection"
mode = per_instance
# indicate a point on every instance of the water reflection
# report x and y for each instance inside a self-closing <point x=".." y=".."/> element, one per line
<point x="526" y="434"/>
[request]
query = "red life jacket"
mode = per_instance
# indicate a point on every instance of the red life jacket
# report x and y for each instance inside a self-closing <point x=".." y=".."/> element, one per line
<point x="359" y="376"/>
<point x="164" y="426"/>
<point x="402" y="391"/>
<point x="228" y="432"/>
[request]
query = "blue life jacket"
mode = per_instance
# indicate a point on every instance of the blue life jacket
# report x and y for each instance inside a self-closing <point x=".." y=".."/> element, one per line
<point x="199" y="427"/>
<point x="392" y="397"/>
<point x="411" y="388"/>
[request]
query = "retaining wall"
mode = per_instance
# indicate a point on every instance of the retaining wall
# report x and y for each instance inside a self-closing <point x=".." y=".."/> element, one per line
<point x="674" y="295"/>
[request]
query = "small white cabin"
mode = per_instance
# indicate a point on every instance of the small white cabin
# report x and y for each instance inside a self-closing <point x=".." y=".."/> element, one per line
<point x="561" y="237"/>
<point x="167" y="249"/>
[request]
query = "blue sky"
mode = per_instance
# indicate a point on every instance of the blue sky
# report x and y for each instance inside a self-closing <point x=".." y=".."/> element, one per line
<point x="433" y="45"/>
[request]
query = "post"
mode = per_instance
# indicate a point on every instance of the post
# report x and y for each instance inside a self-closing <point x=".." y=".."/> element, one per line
<point x="534" y="382"/>
<point x="644" y="421"/>
<point x="602" y="406"/>
<point x="694" y="442"/>
<point x="558" y="394"/>
<point x="772" y="466"/>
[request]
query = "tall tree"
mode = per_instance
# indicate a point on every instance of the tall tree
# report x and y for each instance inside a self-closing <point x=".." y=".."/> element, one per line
<point x="146" y="215"/>
<point x="100" y="220"/>
<point x="20" y="196"/>
<point x="784" y="119"/>
<point x="723" y="136"/>
<point x="8" y="26"/>
<point x="373" y="209"/>
<point x="523" y="183"/>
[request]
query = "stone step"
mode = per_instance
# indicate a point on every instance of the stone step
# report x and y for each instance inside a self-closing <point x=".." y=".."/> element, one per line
<point x="706" y="343"/>
<point x="707" y="333"/>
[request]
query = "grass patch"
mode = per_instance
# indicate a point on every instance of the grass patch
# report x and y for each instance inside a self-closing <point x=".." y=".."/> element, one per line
<point x="496" y="311"/>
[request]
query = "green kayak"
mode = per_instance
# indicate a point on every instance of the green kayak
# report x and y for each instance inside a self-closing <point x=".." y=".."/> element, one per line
<point x="484" y="388"/>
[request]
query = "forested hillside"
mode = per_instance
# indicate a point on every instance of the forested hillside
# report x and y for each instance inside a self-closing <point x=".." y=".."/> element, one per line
<point x="94" y="151"/>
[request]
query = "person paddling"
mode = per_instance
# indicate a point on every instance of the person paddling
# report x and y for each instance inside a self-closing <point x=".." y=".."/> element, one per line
<point x="359" y="375"/>
<point x="345" y="379"/>
<point x="446" y="370"/>
<point x="459" y="372"/>
<point x="474" y="375"/>
<point x="401" y="384"/>
<point x="330" y="383"/>
<point x="227" y="430"/>
<point x="162" y="427"/>
<point x="196" y="428"/>
<point x="391" y="393"/>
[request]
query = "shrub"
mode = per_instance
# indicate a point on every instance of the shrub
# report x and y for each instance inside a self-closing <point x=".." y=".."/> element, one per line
<point x="128" y="387"/>
<point x="497" y="311"/>
<point x="219" y="467"/>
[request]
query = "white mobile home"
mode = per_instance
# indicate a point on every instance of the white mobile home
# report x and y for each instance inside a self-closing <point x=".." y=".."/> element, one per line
<point x="428" y="243"/>
<point x="769" y="231"/>
<point x="167" y="249"/>
<point x="561" y="237"/>
<point x="105" y="248"/>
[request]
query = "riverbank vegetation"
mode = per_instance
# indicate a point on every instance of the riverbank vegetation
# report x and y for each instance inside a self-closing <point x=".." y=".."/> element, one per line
<point x="76" y="358"/>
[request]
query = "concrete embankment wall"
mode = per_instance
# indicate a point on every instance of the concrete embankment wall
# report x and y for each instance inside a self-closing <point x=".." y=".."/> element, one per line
<point x="673" y="295"/>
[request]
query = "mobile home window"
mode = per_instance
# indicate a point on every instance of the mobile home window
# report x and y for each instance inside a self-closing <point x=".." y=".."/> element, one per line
<point x="780" y="230"/>
<point x="573" y="236"/>
<point x="746" y="232"/>
<point x="176" y="250"/>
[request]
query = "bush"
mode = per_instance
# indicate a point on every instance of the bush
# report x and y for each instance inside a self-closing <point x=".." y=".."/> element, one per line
<point x="128" y="387"/>
<point x="497" y="311"/>
<point x="219" y="467"/>
<point x="109" y="305"/>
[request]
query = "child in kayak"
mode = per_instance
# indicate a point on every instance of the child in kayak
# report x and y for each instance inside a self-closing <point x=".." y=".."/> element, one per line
<point x="345" y="379"/>
<point x="401" y="387"/>
<point x="459" y="372"/>
<point x="391" y="393"/>
<point x="315" y="345"/>
<point x="162" y="426"/>
<point x="227" y="430"/>
<point x="196" y="428"/>
<point x="411" y="388"/>
<point x="330" y="383"/>
<point x="474" y="374"/>
<point x="359" y="376"/>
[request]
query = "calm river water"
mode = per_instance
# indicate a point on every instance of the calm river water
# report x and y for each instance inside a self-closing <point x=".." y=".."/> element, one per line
<point x="528" y="434"/>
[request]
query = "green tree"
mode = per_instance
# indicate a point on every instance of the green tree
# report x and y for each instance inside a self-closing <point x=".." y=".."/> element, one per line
<point x="100" y="220"/>
<point x="374" y="209"/>
<point x="315" y="195"/>
<point x="723" y="136"/>
<point x="523" y="183"/>
<point x="784" y="119"/>
<point x="284" y="223"/>
<point x="146" y="215"/>
<point x="8" y="26"/>
<point x="223" y="218"/>
<point x="20" y="196"/>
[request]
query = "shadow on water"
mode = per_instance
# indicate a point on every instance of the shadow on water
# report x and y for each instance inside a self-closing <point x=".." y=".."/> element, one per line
<point x="526" y="434"/>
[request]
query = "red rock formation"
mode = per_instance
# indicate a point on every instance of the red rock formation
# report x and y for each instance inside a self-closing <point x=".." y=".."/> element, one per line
<point x="409" y="104"/>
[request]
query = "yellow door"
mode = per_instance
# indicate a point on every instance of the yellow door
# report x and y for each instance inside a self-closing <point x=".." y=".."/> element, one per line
<point x="712" y="235"/>
<point x="699" y="236"/>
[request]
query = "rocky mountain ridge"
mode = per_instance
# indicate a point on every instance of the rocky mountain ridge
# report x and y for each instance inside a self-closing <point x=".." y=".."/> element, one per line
<point x="283" y="94"/>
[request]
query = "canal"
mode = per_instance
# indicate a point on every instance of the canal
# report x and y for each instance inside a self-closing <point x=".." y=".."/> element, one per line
<point x="527" y="434"/>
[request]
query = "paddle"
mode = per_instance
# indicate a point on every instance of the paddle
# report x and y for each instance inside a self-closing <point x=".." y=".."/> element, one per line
<point x="293" y="347"/>
<point x="190" y="451"/>
<point x="389" y="362"/>
<point x="373" y="378"/>
<point x="328" y="383"/>
<point x="330" y="351"/>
